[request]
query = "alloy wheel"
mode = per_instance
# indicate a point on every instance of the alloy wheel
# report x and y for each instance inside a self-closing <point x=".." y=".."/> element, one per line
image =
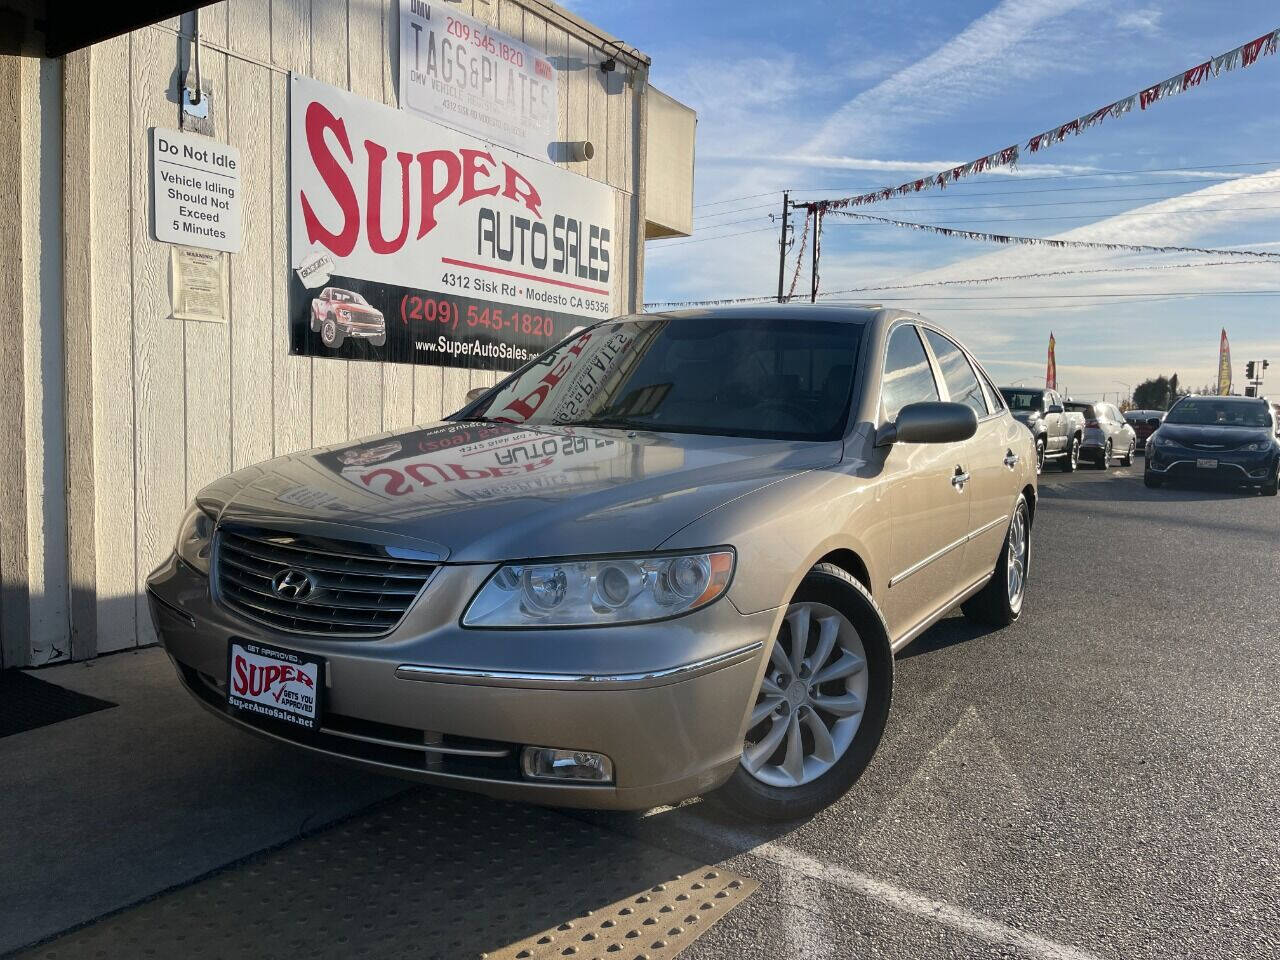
<point x="1018" y="554"/>
<point x="1075" y="454"/>
<point x="1039" y="457"/>
<point x="811" y="699"/>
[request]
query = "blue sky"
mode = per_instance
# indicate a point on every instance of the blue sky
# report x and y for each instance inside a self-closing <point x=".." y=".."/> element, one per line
<point x="830" y="98"/>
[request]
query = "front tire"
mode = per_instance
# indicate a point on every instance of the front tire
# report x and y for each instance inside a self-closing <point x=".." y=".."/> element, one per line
<point x="999" y="603"/>
<point x="822" y="704"/>
<point x="1153" y="482"/>
<point x="1272" y="486"/>
<point x="1127" y="459"/>
<point x="330" y="335"/>
<point x="1039" y="455"/>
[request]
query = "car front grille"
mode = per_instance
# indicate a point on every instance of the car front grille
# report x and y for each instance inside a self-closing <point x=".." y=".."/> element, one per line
<point x="355" y="589"/>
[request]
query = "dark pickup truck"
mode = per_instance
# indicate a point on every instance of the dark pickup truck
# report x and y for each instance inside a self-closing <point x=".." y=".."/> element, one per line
<point x="1058" y="432"/>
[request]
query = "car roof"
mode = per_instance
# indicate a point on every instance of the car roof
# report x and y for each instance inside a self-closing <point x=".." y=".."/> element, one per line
<point x="1216" y="398"/>
<point x="847" y="312"/>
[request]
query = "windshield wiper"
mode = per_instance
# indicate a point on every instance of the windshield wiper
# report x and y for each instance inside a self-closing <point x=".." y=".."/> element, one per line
<point x="617" y="423"/>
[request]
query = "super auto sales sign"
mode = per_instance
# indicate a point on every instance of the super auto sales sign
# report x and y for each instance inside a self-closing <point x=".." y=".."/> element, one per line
<point x="414" y="243"/>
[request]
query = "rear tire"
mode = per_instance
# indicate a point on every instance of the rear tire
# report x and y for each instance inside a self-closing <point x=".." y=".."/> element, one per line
<point x="750" y="794"/>
<point x="1072" y="459"/>
<point x="999" y="603"/>
<point x="1104" y="462"/>
<point x="1039" y="455"/>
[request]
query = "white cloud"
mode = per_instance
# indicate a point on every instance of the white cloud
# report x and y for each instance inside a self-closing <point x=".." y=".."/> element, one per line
<point x="1145" y="21"/>
<point x="991" y="47"/>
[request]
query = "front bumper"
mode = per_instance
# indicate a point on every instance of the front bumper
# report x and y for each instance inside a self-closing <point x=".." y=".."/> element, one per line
<point x="666" y="702"/>
<point x="363" y="328"/>
<point x="1233" y="466"/>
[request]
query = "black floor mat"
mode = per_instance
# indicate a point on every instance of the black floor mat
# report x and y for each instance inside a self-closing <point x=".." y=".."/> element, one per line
<point x="27" y="703"/>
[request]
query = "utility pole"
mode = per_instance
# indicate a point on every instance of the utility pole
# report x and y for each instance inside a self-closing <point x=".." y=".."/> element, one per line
<point x="782" y="242"/>
<point x="816" y="213"/>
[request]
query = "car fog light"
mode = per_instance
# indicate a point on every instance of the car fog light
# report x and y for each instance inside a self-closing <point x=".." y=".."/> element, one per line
<point x="547" y="763"/>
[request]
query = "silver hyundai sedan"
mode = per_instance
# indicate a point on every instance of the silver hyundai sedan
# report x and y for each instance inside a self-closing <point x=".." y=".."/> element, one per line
<point x="675" y="553"/>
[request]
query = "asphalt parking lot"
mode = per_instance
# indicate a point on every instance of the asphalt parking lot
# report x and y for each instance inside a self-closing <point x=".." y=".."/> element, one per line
<point x="1097" y="781"/>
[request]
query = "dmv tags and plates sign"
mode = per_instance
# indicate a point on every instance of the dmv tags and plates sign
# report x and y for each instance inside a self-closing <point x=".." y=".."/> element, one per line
<point x="464" y="73"/>
<point x="275" y="684"/>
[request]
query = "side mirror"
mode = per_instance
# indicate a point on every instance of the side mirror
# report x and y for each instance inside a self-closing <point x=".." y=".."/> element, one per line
<point x="1054" y="408"/>
<point x="475" y="393"/>
<point x="931" y="422"/>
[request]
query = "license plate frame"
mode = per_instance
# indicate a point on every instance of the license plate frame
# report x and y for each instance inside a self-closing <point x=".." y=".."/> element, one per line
<point x="292" y="694"/>
<point x="1206" y="463"/>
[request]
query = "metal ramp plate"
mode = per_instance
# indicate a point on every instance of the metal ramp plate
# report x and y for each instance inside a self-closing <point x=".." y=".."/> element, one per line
<point x="430" y="874"/>
<point x="653" y="925"/>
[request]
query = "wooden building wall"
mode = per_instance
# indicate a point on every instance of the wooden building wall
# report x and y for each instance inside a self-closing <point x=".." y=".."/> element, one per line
<point x="158" y="407"/>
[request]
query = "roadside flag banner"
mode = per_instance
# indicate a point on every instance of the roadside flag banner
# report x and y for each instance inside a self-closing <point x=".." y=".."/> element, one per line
<point x="1051" y="368"/>
<point x="1224" y="366"/>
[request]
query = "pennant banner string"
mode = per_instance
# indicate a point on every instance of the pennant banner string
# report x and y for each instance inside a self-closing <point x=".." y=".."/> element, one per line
<point x="1045" y="242"/>
<point x="1044" y="275"/>
<point x="1245" y="55"/>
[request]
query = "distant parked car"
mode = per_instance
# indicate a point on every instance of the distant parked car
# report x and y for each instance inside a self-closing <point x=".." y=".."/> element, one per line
<point x="1058" y="432"/>
<point x="1144" y="423"/>
<point x="1232" y="438"/>
<point x="1106" y="434"/>
<point x="337" y="314"/>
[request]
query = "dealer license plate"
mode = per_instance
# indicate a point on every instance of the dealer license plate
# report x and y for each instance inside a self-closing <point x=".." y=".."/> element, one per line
<point x="1207" y="464"/>
<point x="275" y="684"/>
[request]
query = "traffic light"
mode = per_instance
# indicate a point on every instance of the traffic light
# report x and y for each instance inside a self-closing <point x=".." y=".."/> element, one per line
<point x="1250" y="369"/>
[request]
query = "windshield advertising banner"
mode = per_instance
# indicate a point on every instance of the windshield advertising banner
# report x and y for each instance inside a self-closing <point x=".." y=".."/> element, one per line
<point x="463" y="72"/>
<point x="414" y="243"/>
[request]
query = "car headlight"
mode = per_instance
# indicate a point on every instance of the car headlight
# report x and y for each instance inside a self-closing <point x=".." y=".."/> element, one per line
<point x="602" y="590"/>
<point x="1254" y="447"/>
<point x="344" y="314"/>
<point x="195" y="537"/>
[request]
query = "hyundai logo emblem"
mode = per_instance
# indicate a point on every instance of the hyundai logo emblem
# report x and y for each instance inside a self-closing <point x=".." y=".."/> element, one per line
<point x="293" y="584"/>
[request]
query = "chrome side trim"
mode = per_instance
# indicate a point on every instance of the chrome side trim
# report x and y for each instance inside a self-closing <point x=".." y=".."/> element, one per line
<point x="921" y="564"/>
<point x="571" y="681"/>
<point x="987" y="526"/>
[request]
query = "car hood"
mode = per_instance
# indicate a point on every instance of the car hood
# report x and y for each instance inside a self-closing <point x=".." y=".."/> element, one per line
<point x="1026" y="416"/>
<point x="1226" y="437"/>
<point x="479" y="492"/>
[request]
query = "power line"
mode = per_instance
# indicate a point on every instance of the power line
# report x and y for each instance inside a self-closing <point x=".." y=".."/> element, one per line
<point x="1074" y="176"/>
<point x="1046" y="203"/>
<point x="1090" y="216"/>
<point x="726" y="236"/>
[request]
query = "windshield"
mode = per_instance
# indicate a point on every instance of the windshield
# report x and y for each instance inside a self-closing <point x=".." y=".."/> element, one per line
<point x="1219" y="412"/>
<point x="730" y="376"/>
<point x="1020" y="401"/>
<point x="346" y="296"/>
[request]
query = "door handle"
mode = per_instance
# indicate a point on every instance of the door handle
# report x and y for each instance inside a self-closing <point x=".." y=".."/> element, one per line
<point x="960" y="479"/>
<point x="1010" y="459"/>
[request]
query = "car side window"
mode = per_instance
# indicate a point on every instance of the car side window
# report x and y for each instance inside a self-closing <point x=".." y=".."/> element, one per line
<point x="908" y="378"/>
<point x="961" y="381"/>
<point x="995" y="402"/>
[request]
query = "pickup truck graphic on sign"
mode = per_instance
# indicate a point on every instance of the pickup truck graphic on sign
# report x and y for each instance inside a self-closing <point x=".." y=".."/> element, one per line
<point x="337" y="314"/>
